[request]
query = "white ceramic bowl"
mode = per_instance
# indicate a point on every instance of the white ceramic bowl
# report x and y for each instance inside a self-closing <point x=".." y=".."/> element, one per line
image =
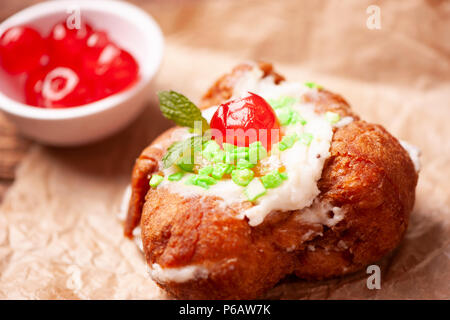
<point x="128" y="26"/>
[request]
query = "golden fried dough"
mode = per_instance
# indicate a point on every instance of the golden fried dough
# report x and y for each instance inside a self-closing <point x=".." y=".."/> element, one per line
<point x="369" y="175"/>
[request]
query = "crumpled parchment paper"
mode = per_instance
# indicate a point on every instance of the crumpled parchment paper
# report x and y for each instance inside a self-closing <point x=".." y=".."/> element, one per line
<point x="60" y="237"/>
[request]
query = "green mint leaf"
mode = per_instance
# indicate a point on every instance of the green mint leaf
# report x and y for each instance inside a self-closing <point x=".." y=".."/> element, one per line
<point x="185" y="149"/>
<point x="313" y="85"/>
<point x="176" y="107"/>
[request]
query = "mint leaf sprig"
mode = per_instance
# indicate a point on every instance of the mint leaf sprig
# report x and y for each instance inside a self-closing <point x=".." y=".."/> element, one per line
<point x="185" y="149"/>
<point x="176" y="107"/>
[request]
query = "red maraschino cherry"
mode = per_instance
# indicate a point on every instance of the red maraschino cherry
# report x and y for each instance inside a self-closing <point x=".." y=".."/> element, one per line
<point x="111" y="68"/>
<point x="66" y="45"/>
<point x="246" y="120"/>
<point x="56" y="87"/>
<point x="83" y="64"/>
<point x="33" y="87"/>
<point x="97" y="40"/>
<point x="21" y="49"/>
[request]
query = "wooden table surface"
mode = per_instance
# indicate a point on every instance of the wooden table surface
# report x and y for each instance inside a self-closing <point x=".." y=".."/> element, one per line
<point x="12" y="146"/>
<point x="12" y="150"/>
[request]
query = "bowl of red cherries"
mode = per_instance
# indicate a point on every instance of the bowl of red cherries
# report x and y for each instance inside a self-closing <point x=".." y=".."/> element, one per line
<point x="74" y="72"/>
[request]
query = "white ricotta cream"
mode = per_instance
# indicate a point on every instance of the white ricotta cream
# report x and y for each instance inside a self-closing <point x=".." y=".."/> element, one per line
<point x="414" y="154"/>
<point x="303" y="163"/>
<point x="123" y="209"/>
<point x="321" y="212"/>
<point x="181" y="274"/>
<point x="343" y="122"/>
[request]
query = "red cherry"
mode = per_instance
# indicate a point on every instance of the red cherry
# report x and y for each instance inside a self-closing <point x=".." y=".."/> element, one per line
<point x="56" y="87"/>
<point x="112" y="69"/>
<point x="252" y="112"/>
<point x="33" y="87"/>
<point x="66" y="44"/>
<point x="97" y="40"/>
<point x="21" y="49"/>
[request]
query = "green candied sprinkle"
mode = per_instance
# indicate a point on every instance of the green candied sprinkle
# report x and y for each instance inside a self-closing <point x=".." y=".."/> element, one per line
<point x="202" y="184"/>
<point x="203" y="179"/>
<point x="242" y="177"/>
<point x="281" y="102"/>
<point x="313" y="85"/>
<point x="332" y="117"/>
<point x="206" y="170"/>
<point x="210" y="150"/>
<point x="283" y="175"/>
<point x="211" y="145"/>
<point x="229" y="169"/>
<point x="156" y="180"/>
<point x="228" y="147"/>
<point x="233" y="152"/>
<point x="239" y="153"/>
<point x="288" y="116"/>
<point x="254" y="190"/>
<point x="220" y="169"/>
<point x="256" y="152"/>
<point x="200" y="180"/>
<point x="219" y="156"/>
<point x="306" y="138"/>
<point x="272" y="179"/>
<point x="288" y="141"/>
<point x="256" y="144"/>
<point x="297" y="118"/>
<point x="189" y="167"/>
<point x="190" y="180"/>
<point x="244" y="164"/>
<point x="230" y="157"/>
<point x="284" y="115"/>
<point x="241" y="150"/>
<point x="176" y="176"/>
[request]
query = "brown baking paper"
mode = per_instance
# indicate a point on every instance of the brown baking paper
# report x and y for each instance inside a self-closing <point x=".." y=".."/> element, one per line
<point x="60" y="237"/>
